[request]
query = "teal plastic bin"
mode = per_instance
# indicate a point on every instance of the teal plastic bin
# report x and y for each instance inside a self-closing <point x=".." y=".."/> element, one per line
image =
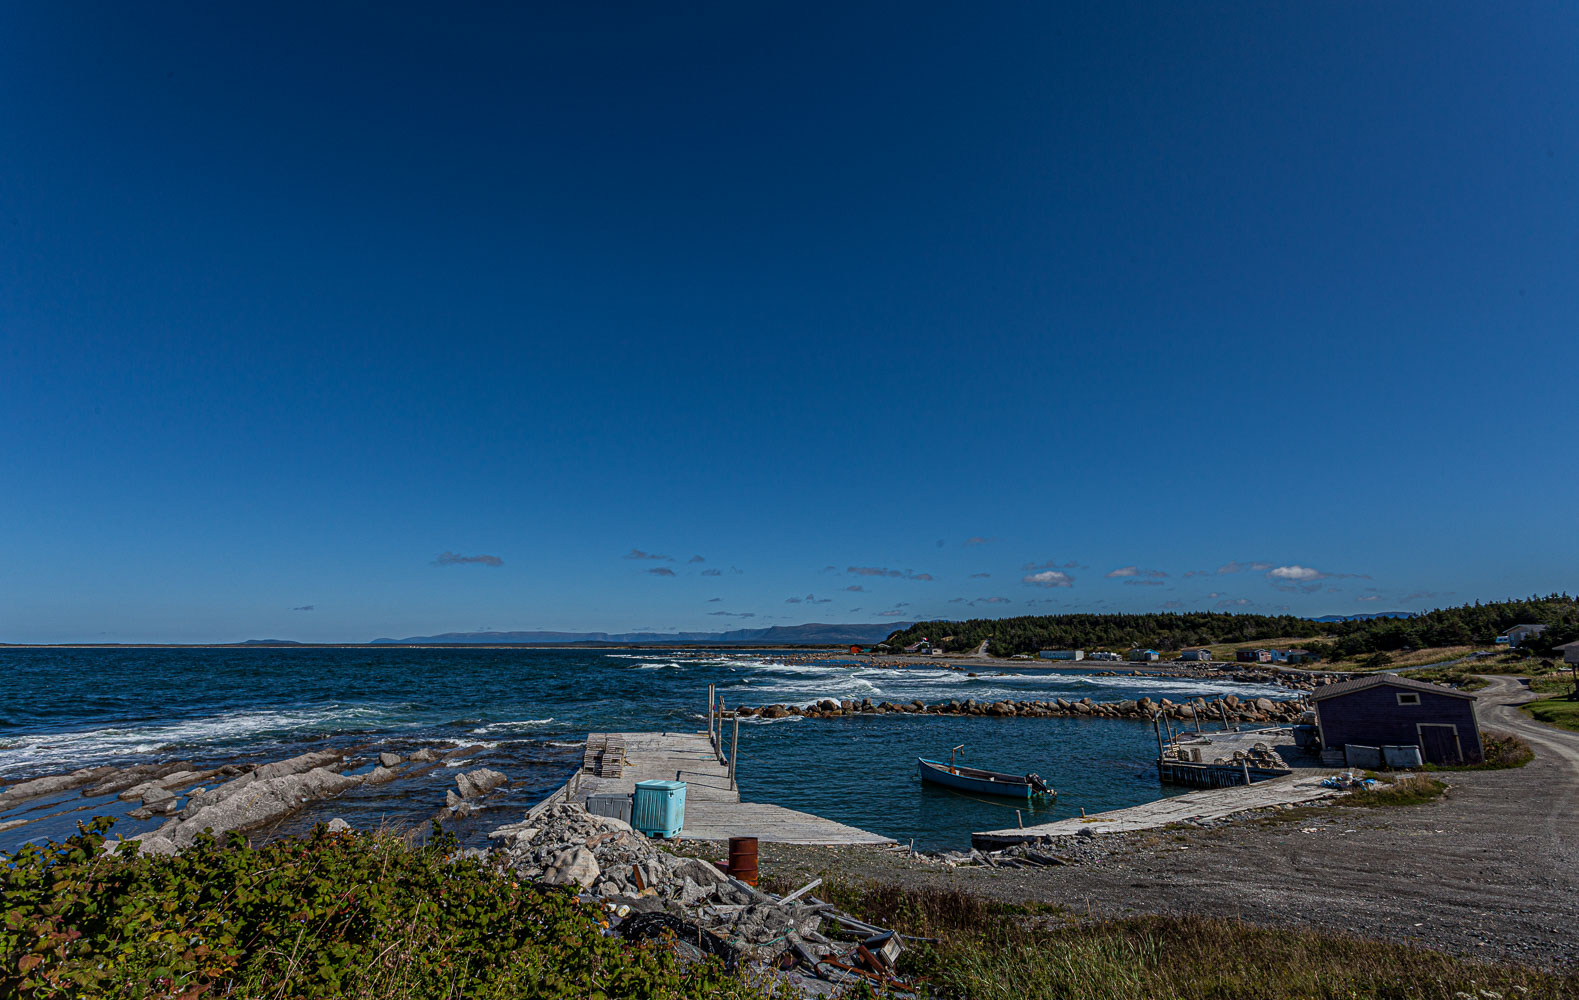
<point x="658" y="808"/>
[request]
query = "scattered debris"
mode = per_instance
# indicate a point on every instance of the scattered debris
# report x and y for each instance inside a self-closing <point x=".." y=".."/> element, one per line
<point x="647" y="892"/>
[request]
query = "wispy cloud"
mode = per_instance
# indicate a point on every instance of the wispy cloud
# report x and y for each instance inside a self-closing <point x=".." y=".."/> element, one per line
<point x="856" y="588"/>
<point x="792" y="600"/>
<point x="957" y="600"/>
<point x="1197" y="572"/>
<point x="639" y="554"/>
<point x="979" y="540"/>
<point x="734" y="614"/>
<point x="1428" y="595"/>
<point x="980" y="576"/>
<point x="305" y="607"/>
<point x="1124" y="571"/>
<point x="885" y="571"/>
<point x="1172" y="605"/>
<point x="714" y="600"/>
<point x="1239" y="567"/>
<point x="1237" y="602"/>
<point x="889" y="614"/>
<point x="712" y="572"/>
<point x="993" y="600"/>
<point x="1369" y="597"/>
<point x="696" y="559"/>
<point x="1143" y="583"/>
<point x="1031" y="567"/>
<point x="1216" y="594"/>
<point x="1050" y="578"/>
<point x="456" y="559"/>
<point x="661" y="571"/>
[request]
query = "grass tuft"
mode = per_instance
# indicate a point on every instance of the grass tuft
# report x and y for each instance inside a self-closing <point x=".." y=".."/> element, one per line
<point x="1408" y="790"/>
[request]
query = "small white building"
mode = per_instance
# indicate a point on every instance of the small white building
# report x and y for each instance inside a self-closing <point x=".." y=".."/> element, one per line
<point x="1063" y="654"/>
<point x="1518" y="633"/>
<point x="1138" y="655"/>
<point x="1200" y="655"/>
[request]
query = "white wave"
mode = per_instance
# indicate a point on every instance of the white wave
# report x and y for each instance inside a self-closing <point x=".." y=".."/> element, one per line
<point x="556" y="743"/>
<point x="511" y="727"/>
<point x="757" y="720"/>
<point x="1181" y="685"/>
<point x="79" y="747"/>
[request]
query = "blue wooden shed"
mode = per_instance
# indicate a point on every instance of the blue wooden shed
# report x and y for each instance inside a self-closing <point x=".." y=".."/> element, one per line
<point x="1388" y="710"/>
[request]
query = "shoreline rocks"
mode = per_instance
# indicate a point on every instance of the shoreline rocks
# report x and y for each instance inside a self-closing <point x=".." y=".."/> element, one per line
<point x="1207" y="711"/>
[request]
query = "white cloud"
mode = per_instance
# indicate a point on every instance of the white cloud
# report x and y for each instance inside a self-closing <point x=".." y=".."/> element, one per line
<point x="1125" y="571"/>
<point x="1050" y="578"/>
<point x="1295" y="573"/>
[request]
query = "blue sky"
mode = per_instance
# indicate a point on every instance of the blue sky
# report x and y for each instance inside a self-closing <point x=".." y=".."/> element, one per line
<point x="298" y="306"/>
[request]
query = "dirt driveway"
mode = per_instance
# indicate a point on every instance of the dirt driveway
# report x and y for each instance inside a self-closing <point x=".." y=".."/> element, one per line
<point x="1491" y="870"/>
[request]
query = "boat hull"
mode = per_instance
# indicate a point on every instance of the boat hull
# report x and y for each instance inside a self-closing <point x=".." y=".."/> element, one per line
<point x="935" y="773"/>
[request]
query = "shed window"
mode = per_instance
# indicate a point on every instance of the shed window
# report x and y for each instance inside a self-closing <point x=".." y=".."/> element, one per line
<point x="1408" y="699"/>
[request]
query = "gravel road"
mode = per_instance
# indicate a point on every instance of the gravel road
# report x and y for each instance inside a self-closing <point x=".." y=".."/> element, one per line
<point x="1489" y="870"/>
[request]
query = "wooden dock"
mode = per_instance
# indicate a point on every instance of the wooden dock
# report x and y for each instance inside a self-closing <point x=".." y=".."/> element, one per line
<point x="713" y="809"/>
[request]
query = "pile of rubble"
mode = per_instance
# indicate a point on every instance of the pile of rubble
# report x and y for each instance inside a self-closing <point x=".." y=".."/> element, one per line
<point x="647" y="891"/>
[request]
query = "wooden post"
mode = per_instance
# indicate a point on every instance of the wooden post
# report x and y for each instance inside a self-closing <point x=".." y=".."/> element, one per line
<point x="709" y="713"/>
<point x="719" y="749"/>
<point x="1246" y="765"/>
<point x="734" y="743"/>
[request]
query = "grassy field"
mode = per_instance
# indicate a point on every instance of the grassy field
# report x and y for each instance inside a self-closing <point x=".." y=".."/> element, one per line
<point x="1557" y="711"/>
<point x="1226" y="650"/>
<point x="987" y="951"/>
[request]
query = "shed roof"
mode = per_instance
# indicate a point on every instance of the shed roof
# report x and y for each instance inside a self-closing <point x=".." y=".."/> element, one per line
<point x="1390" y="680"/>
<point x="1527" y="625"/>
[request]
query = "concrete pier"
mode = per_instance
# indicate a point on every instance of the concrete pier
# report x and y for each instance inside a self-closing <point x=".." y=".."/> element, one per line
<point x="713" y="809"/>
<point x="1210" y="804"/>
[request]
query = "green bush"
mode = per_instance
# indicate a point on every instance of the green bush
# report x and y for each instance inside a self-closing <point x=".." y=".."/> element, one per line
<point x="328" y="915"/>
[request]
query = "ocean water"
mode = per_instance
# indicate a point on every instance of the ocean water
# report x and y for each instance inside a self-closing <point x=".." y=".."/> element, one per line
<point x="526" y="713"/>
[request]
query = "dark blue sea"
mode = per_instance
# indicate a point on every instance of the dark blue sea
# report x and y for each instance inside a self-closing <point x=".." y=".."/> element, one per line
<point x="526" y="713"/>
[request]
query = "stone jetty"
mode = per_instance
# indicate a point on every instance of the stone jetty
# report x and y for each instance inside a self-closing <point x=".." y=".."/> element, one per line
<point x="1229" y="707"/>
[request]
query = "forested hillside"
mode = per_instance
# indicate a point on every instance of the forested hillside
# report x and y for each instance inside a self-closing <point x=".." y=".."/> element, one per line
<point x="1470" y="624"/>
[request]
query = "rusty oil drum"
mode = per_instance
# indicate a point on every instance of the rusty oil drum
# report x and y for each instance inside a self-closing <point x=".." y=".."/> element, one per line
<point x="743" y="859"/>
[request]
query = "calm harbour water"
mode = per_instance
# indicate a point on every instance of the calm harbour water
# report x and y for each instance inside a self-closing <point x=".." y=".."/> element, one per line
<point x="527" y="712"/>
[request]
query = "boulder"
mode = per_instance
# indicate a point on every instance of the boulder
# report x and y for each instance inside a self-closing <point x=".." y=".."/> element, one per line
<point x="423" y="756"/>
<point x="387" y="759"/>
<point x="478" y="782"/>
<point x="574" y="865"/>
<point x="380" y="775"/>
<point x="338" y="825"/>
<point x="1264" y="705"/>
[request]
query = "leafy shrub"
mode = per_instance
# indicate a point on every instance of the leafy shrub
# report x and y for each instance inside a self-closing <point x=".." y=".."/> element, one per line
<point x="327" y="915"/>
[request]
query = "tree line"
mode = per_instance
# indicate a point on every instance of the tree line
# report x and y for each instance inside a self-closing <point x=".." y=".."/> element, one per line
<point x="1469" y="624"/>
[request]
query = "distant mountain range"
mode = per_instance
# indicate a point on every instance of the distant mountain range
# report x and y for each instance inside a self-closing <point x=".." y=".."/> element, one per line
<point x="788" y="635"/>
<point x="1364" y="618"/>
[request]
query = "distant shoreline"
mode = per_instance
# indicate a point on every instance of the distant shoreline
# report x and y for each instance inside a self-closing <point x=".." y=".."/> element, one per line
<point x="419" y="645"/>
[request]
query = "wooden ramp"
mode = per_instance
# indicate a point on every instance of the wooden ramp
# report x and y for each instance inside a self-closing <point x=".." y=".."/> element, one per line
<point x="713" y="810"/>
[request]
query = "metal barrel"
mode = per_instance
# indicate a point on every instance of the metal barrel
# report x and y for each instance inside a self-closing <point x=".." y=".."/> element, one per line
<point x="743" y="859"/>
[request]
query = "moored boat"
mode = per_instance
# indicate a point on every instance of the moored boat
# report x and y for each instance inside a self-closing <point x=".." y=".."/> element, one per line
<point x="974" y="779"/>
